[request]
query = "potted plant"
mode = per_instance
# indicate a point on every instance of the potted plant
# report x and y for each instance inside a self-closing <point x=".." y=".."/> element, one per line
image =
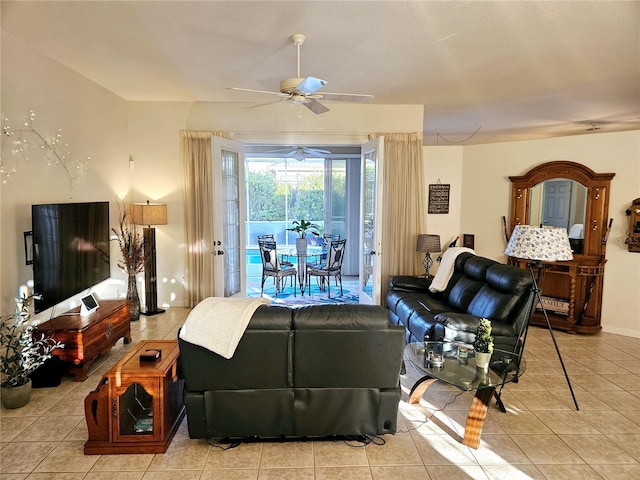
<point x="301" y="228"/>
<point x="483" y="343"/>
<point x="131" y="244"/>
<point x="21" y="353"/>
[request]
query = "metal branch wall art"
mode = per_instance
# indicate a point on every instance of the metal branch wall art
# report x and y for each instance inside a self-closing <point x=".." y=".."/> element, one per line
<point x="26" y="142"/>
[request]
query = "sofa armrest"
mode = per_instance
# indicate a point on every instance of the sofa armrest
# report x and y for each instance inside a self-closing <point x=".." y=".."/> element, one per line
<point x="409" y="283"/>
<point x="463" y="322"/>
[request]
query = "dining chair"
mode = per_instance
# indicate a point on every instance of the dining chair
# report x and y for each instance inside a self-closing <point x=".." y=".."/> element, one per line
<point x="332" y="266"/>
<point x="267" y="237"/>
<point x="327" y="238"/>
<point x="271" y="267"/>
<point x="270" y="237"/>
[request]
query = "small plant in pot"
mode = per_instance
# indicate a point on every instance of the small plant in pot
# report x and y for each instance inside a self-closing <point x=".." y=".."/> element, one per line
<point x="21" y="353"/>
<point x="301" y="228"/>
<point x="483" y="343"/>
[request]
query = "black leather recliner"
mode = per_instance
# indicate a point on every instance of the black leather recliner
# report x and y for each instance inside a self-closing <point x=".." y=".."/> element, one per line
<point x="313" y="371"/>
<point x="479" y="288"/>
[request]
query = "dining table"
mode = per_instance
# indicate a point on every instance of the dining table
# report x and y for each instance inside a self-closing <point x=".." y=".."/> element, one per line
<point x="302" y="259"/>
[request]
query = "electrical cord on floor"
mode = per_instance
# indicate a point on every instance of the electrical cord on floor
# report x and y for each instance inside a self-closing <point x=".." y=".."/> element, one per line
<point x="433" y="413"/>
<point x="212" y="442"/>
<point x="364" y="440"/>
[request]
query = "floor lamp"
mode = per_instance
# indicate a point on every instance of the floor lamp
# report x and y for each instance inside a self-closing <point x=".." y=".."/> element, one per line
<point x="150" y="214"/>
<point x="541" y="245"/>
<point x="428" y="244"/>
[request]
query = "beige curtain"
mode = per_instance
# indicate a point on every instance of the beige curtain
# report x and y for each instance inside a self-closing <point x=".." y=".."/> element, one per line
<point x="195" y="151"/>
<point x="404" y="209"/>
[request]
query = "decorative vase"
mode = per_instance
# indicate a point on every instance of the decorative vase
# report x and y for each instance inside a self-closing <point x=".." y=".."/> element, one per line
<point x="301" y="245"/>
<point x="16" y="397"/>
<point x="134" y="299"/>
<point x="482" y="360"/>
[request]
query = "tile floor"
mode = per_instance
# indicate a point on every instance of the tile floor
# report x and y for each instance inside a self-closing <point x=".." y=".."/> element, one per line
<point x="541" y="436"/>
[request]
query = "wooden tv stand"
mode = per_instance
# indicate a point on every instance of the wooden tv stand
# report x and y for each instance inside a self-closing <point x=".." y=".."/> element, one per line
<point x="85" y="338"/>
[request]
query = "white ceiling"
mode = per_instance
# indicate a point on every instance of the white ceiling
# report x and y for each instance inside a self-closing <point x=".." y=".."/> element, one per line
<point x="517" y="69"/>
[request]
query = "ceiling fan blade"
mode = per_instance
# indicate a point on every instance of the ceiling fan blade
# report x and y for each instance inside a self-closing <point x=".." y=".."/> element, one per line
<point x="311" y="84"/>
<point x="277" y="94"/>
<point x="348" y="97"/>
<point x="317" y="153"/>
<point x="316" y="107"/>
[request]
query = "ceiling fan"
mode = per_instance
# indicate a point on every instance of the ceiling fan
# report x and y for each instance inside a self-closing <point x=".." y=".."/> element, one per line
<point x="302" y="90"/>
<point x="300" y="153"/>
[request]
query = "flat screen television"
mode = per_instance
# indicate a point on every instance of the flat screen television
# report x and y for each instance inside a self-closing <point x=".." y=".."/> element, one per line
<point x="70" y="249"/>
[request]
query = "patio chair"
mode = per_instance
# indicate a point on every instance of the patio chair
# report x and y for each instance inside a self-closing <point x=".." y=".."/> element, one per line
<point x="271" y="267"/>
<point x="267" y="237"/>
<point x="327" y="238"/>
<point x="331" y="268"/>
<point x="270" y="237"/>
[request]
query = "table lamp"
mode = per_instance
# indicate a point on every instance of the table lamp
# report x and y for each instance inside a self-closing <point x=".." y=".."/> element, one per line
<point x="428" y="244"/>
<point x="150" y="214"/>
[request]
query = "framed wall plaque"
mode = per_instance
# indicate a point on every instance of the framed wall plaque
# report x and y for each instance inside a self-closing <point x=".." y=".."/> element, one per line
<point x="469" y="240"/>
<point x="438" y="198"/>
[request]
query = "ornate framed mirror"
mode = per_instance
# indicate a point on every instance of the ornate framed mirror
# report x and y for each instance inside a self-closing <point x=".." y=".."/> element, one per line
<point x="573" y="196"/>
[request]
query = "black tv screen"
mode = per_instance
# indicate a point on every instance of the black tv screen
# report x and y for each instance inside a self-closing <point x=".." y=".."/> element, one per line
<point x="70" y="249"/>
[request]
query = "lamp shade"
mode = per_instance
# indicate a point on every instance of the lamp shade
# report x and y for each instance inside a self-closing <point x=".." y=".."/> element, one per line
<point x="549" y="244"/>
<point x="428" y="243"/>
<point x="149" y="213"/>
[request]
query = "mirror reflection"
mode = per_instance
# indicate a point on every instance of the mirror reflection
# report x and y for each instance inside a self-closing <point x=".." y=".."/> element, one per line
<point x="560" y="202"/>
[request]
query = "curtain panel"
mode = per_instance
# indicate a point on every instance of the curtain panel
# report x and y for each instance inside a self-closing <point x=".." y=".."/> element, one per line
<point x="195" y="152"/>
<point x="404" y="206"/>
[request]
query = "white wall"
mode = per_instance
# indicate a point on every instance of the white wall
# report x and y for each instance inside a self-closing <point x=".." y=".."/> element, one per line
<point x="444" y="164"/>
<point x="486" y="193"/>
<point x="157" y="176"/>
<point x="286" y="122"/>
<point x="93" y="123"/>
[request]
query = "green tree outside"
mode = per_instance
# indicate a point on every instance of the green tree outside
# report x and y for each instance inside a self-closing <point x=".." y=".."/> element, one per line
<point x="267" y="199"/>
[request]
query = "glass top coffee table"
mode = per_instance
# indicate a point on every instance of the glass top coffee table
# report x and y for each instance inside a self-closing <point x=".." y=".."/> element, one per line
<point x="455" y="364"/>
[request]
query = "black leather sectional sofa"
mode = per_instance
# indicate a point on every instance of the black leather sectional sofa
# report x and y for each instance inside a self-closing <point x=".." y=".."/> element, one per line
<point x="313" y="371"/>
<point x="479" y="288"/>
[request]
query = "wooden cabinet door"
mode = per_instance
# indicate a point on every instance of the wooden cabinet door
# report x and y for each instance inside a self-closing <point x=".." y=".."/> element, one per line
<point x="137" y="411"/>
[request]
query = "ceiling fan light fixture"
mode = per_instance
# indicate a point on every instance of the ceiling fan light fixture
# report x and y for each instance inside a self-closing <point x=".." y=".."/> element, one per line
<point x="298" y="99"/>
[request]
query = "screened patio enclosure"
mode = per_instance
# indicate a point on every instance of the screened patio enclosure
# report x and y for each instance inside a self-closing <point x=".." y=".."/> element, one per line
<point x="285" y="183"/>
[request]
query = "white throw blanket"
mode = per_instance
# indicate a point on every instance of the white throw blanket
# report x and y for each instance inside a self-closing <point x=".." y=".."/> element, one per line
<point x="445" y="270"/>
<point x="218" y="323"/>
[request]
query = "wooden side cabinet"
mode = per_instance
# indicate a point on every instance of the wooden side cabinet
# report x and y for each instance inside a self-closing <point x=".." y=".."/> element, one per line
<point x="137" y="406"/>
